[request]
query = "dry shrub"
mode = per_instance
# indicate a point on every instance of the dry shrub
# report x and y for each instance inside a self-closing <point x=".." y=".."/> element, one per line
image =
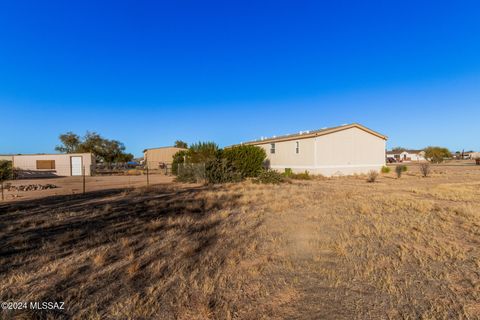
<point x="372" y="176"/>
<point x="425" y="169"/>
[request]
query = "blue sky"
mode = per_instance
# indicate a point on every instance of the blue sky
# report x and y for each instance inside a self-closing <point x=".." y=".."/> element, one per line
<point x="150" y="72"/>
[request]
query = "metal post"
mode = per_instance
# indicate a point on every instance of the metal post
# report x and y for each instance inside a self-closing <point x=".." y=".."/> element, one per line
<point x="83" y="174"/>
<point x="148" y="178"/>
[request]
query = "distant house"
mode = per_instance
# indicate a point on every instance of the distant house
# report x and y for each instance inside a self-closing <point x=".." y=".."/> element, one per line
<point x="407" y="155"/>
<point x="156" y="158"/>
<point x="474" y="155"/>
<point x="342" y="150"/>
<point x="52" y="165"/>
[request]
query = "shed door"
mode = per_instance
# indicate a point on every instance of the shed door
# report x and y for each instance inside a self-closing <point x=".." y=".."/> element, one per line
<point x="76" y="163"/>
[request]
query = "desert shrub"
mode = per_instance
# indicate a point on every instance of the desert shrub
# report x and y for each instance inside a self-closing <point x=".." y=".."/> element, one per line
<point x="221" y="171"/>
<point x="6" y="170"/>
<point x="372" y="176"/>
<point x="288" y="172"/>
<point x="270" y="176"/>
<point x="399" y="169"/>
<point x="301" y="176"/>
<point x="477" y="161"/>
<point x="248" y="160"/>
<point x="385" y="169"/>
<point x="191" y="172"/>
<point x="404" y="168"/>
<point x="437" y="154"/>
<point x="425" y="169"/>
<point x="202" y="152"/>
<point x="178" y="158"/>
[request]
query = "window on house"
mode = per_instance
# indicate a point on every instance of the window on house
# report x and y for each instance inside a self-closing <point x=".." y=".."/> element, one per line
<point x="45" y="164"/>
<point x="297" y="147"/>
<point x="272" y="147"/>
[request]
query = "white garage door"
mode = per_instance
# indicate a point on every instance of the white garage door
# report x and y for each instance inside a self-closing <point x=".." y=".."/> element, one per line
<point x="76" y="163"/>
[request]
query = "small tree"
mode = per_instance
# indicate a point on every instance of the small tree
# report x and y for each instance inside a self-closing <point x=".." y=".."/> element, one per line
<point x="180" y="144"/>
<point x="6" y="172"/>
<point x="437" y="154"/>
<point x="425" y="169"/>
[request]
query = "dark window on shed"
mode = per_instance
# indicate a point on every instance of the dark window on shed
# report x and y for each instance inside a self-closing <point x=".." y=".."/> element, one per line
<point x="272" y="147"/>
<point x="45" y="164"/>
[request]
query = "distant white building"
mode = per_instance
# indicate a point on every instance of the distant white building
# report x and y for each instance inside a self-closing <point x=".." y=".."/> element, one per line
<point x="407" y="155"/>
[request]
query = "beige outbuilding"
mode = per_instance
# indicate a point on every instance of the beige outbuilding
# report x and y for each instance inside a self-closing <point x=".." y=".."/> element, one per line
<point x="156" y="158"/>
<point x="48" y="165"/>
<point x="343" y="150"/>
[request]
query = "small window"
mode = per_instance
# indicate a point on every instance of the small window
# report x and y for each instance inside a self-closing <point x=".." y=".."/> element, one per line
<point x="297" y="148"/>
<point x="45" y="164"/>
<point x="272" y="147"/>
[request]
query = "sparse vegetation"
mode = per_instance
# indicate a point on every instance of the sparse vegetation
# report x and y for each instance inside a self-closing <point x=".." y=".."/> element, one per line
<point x="402" y="250"/>
<point x="372" y="176"/>
<point x="301" y="176"/>
<point x="385" y="169"/>
<point x="425" y="169"/>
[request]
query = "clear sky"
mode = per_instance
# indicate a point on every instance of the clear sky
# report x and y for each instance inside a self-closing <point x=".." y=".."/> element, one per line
<point x="150" y="72"/>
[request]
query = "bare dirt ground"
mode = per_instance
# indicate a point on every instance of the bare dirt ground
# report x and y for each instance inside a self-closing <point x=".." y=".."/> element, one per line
<point x="337" y="248"/>
<point x="74" y="185"/>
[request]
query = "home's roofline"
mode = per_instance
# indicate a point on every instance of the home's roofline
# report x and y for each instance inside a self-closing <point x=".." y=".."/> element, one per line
<point x="311" y="134"/>
<point x="407" y="151"/>
<point x="164" y="148"/>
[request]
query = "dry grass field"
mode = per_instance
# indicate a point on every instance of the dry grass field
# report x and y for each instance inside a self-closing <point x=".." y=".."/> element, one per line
<point x="337" y="248"/>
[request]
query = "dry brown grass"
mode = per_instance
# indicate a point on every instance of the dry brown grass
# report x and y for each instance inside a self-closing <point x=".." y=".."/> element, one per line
<point x="337" y="248"/>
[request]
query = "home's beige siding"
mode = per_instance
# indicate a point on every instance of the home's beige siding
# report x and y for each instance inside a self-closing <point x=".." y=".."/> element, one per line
<point x="349" y="151"/>
<point x="6" y="157"/>
<point x="285" y="155"/>
<point x="343" y="152"/>
<point x="28" y="163"/>
<point x="158" y="156"/>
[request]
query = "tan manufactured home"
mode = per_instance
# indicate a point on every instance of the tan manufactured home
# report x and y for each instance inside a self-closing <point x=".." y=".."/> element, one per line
<point x="155" y="158"/>
<point x="50" y="165"/>
<point x="343" y="150"/>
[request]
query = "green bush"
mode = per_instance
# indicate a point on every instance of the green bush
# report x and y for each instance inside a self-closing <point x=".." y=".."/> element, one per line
<point x="301" y="176"/>
<point x="247" y="160"/>
<point x="385" y="169"/>
<point x="221" y="171"/>
<point x="270" y="176"/>
<point x="288" y="172"/>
